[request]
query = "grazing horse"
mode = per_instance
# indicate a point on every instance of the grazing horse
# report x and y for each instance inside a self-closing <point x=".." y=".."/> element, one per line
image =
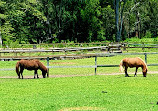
<point x="133" y="62"/>
<point x="31" y="65"/>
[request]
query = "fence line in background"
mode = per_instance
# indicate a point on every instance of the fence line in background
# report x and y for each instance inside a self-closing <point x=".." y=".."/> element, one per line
<point x="110" y="48"/>
<point x="97" y="43"/>
<point x="105" y="47"/>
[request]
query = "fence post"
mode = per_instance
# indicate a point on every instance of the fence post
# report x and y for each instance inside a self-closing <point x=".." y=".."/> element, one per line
<point x="48" y="66"/>
<point x="143" y="46"/>
<point x="124" y="46"/>
<point x="145" y="57"/>
<point x="95" y="65"/>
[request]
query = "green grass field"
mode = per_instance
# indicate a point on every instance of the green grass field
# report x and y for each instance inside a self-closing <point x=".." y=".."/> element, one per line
<point x="92" y="93"/>
<point x="95" y="93"/>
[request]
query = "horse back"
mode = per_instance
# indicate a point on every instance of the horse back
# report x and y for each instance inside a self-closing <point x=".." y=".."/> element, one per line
<point x="28" y="64"/>
<point x="133" y="62"/>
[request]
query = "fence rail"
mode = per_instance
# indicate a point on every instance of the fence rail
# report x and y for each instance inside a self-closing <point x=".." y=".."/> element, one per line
<point x="80" y="44"/>
<point x="106" y="47"/>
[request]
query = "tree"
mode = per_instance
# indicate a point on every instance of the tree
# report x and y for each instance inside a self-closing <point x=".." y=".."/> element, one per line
<point x="2" y="18"/>
<point x="47" y="21"/>
<point x="91" y="18"/>
<point x="6" y="28"/>
<point x="108" y="15"/>
<point x="119" y="4"/>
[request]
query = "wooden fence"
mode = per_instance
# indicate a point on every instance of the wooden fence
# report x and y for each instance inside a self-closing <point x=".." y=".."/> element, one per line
<point x="114" y="49"/>
<point x="110" y="48"/>
<point x="65" y="45"/>
<point x="102" y="55"/>
<point x="95" y="56"/>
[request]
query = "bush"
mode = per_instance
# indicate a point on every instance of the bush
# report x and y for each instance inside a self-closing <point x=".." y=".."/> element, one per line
<point x="135" y="39"/>
<point x="148" y="34"/>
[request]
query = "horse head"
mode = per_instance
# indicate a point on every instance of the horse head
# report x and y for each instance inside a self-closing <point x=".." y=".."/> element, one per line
<point x="145" y="72"/>
<point x="44" y="72"/>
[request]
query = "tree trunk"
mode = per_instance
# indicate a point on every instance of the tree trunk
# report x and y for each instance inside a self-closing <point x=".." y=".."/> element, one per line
<point x="0" y="39"/>
<point x="117" y="20"/>
<point x="48" y="23"/>
<point x="120" y="31"/>
<point x="137" y="23"/>
<point x="0" y="34"/>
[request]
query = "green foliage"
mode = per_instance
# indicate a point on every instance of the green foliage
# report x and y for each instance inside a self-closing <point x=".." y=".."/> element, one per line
<point x="6" y="32"/>
<point x="145" y="39"/>
<point x="148" y="34"/>
<point x="3" y="16"/>
<point x="41" y="21"/>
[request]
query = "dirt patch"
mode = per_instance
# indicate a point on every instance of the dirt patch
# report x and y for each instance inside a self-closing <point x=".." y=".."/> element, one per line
<point x="82" y="109"/>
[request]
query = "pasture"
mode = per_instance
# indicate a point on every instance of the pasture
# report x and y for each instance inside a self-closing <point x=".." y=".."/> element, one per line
<point x="87" y="92"/>
<point x="99" y="93"/>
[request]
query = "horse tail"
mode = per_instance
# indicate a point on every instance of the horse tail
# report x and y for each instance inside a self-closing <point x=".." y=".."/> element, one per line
<point x="121" y="66"/>
<point x="17" y="68"/>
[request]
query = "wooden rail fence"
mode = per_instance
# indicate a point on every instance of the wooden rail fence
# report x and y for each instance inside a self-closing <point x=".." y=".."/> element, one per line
<point x="53" y="45"/>
<point x="95" y="56"/>
<point x="102" y="46"/>
<point x="106" y="47"/>
<point x="114" y="49"/>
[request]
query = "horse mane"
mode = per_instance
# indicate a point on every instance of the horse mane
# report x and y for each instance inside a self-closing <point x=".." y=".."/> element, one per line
<point x="143" y="62"/>
<point x="40" y="64"/>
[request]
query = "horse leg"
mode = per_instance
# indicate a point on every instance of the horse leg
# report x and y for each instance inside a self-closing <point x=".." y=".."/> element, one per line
<point x="19" y="75"/>
<point x="136" y="72"/>
<point x="126" y="75"/>
<point x="35" y="74"/>
<point x="21" y="71"/>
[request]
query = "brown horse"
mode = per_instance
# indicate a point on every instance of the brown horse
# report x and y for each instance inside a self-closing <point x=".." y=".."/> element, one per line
<point x="31" y="65"/>
<point x="133" y="62"/>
